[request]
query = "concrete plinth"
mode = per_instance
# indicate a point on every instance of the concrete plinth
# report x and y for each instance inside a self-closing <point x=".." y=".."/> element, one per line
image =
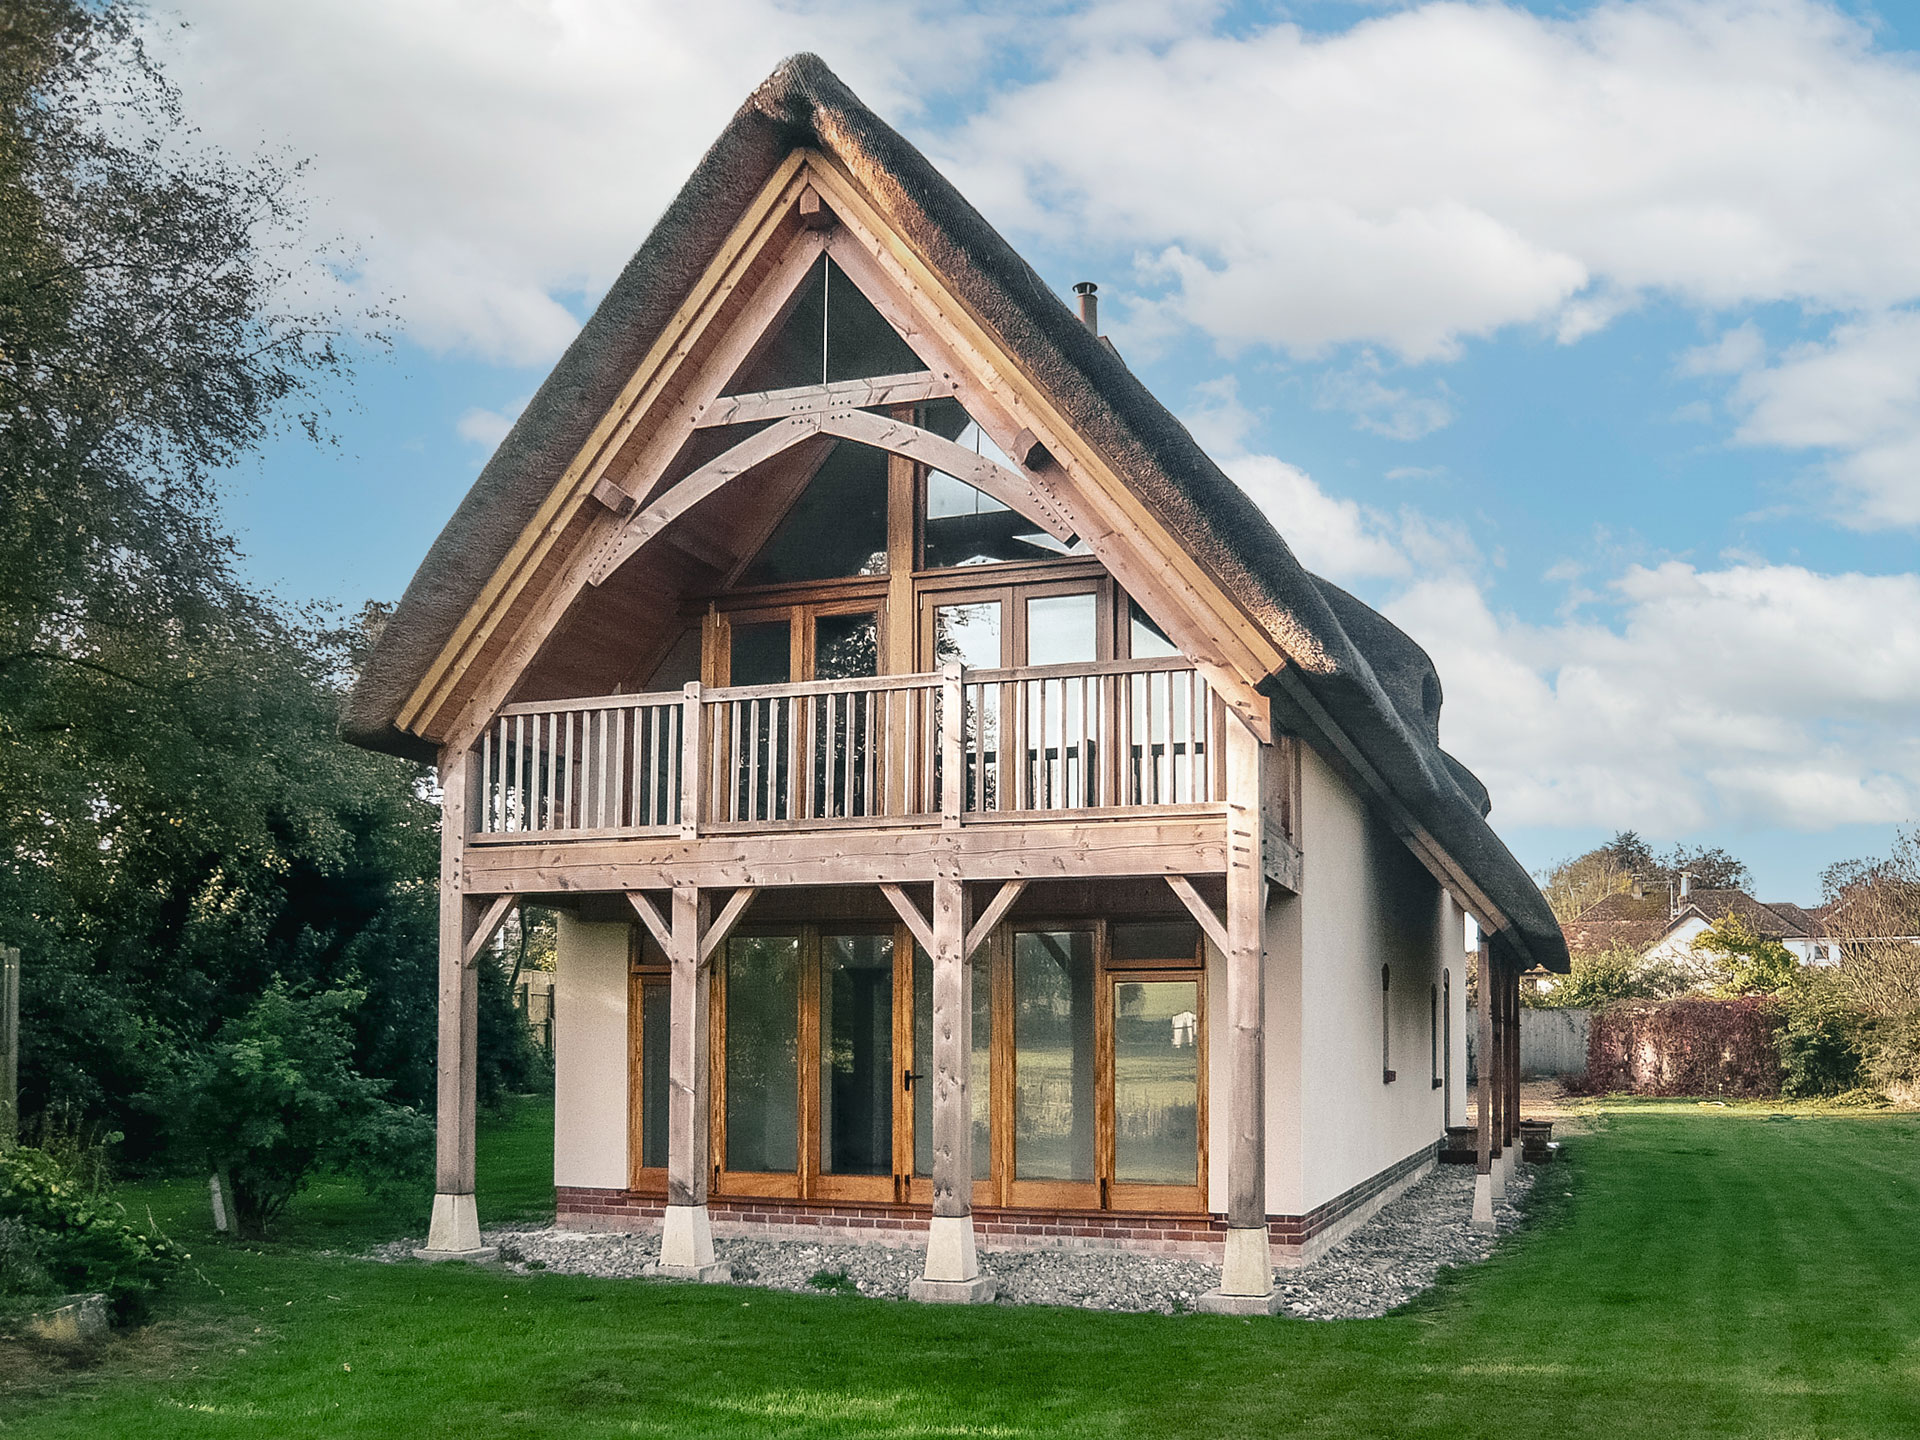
<point x="1499" y="1176"/>
<point x="977" y="1291"/>
<point x="1219" y="1302"/>
<point x="953" y="1256"/>
<point x="1483" y="1202"/>
<point x="717" y="1272"/>
<point x="1246" y="1265"/>
<point x="686" y="1242"/>
<point x="454" y="1232"/>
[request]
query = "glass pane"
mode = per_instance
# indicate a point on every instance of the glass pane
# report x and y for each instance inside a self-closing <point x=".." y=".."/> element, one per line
<point x="762" y="654"/>
<point x="1148" y="640"/>
<point x="1053" y="1055"/>
<point x="846" y="646"/>
<point x="965" y="525"/>
<point x="1060" y="629"/>
<point x="654" y="1078"/>
<point x="979" y="1083"/>
<point x="856" y="1055"/>
<point x="832" y="332"/>
<point x="967" y="633"/>
<point x="838" y="526"/>
<point x="763" y="1052"/>
<point x="1156" y="1082"/>
<point x="1173" y="942"/>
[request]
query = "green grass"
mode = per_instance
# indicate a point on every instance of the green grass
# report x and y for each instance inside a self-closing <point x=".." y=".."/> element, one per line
<point x="1691" y="1272"/>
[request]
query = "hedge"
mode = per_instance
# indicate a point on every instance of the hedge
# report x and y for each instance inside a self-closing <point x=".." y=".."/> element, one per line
<point x="1685" y="1047"/>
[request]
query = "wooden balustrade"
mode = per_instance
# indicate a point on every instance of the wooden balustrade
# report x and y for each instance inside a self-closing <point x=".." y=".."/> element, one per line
<point x="1109" y="736"/>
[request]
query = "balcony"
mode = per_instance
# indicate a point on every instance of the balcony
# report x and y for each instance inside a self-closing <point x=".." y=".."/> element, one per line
<point x="1116" y="740"/>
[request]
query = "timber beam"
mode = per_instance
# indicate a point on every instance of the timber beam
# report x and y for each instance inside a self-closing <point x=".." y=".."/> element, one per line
<point x="1106" y="848"/>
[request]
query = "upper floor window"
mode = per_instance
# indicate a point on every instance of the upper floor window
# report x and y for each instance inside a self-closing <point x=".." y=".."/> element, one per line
<point x="831" y="332"/>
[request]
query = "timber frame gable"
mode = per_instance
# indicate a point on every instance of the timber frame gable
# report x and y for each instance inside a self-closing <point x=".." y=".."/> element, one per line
<point x="619" y="493"/>
<point x="812" y="791"/>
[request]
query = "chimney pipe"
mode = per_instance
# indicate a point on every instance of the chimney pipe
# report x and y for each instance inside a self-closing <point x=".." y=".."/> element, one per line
<point x="1686" y="884"/>
<point x="1089" y="294"/>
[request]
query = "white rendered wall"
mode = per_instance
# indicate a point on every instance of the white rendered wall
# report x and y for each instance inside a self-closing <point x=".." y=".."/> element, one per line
<point x="1460" y="962"/>
<point x="590" y="1056"/>
<point x="1365" y="901"/>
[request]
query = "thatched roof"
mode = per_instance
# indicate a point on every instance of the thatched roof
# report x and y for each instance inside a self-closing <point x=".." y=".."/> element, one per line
<point x="1378" y="687"/>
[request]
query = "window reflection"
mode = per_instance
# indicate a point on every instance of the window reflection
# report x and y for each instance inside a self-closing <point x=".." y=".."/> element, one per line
<point x="1053" y="1055"/>
<point x="763" y="1052"/>
<point x="1156" y="1082"/>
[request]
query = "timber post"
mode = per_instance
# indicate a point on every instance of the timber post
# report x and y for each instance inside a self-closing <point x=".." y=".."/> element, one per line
<point x="953" y="1259"/>
<point x="686" y="1232"/>
<point x="1246" y="1270"/>
<point x="9" y="1047"/>
<point x="1483" y="1157"/>
<point x="1497" y="1063"/>
<point x="454" y="1232"/>
<point x="1513" y="1065"/>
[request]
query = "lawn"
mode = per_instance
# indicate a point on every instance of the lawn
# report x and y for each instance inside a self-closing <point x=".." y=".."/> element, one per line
<point x="1690" y="1272"/>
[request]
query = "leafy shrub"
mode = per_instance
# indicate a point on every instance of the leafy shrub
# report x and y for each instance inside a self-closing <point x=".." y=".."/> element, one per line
<point x="1822" y="1039"/>
<point x="1893" y="1058"/>
<point x="1685" y="1047"/>
<point x="274" y="1097"/>
<point x="1607" y="977"/>
<point x="22" y="1269"/>
<point x="65" y="1223"/>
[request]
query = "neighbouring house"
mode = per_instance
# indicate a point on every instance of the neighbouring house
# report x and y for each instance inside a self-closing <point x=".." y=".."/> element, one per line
<point x="1659" y="925"/>
<point x="970" y="824"/>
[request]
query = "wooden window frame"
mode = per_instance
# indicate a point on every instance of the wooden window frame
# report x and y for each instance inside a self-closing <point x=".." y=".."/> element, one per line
<point x="809" y="1182"/>
<point x="646" y="966"/>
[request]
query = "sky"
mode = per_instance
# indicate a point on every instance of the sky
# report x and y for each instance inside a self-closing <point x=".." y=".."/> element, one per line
<point x="1583" y="340"/>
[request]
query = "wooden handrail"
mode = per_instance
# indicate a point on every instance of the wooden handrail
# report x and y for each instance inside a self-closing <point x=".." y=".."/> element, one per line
<point x="947" y="747"/>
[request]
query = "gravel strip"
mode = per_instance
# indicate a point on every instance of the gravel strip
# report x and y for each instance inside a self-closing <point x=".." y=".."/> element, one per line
<point x="1388" y="1261"/>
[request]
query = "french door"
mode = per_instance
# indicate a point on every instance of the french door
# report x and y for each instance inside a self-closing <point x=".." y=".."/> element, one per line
<point x="1088" y="1071"/>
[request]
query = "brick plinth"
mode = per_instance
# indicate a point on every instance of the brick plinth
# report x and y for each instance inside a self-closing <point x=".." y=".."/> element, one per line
<point x="1296" y="1238"/>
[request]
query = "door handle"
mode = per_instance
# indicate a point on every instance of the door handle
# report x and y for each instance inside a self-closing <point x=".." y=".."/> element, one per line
<point x="907" y="1077"/>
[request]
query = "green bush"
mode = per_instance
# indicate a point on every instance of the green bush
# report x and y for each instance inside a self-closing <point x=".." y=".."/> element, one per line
<point x="66" y="1233"/>
<point x="1608" y="977"/>
<point x="1893" y="1058"/>
<point x="1822" y="1039"/>
<point x="274" y="1097"/>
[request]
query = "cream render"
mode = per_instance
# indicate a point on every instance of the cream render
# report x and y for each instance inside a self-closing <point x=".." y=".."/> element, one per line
<point x="970" y="826"/>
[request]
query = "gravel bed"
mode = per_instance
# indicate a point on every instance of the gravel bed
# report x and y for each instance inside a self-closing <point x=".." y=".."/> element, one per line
<point x="1388" y="1261"/>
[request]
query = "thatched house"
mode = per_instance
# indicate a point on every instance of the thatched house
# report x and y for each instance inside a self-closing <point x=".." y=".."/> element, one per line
<point x="969" y="820"/>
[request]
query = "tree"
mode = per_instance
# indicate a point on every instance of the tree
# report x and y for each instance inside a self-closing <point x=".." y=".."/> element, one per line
<point x="274" y="1096"/>
<point x="1740" y="962"/>
<point x="1874" y="915"/>
<point x="180" y="828"/>
<point x="1577" y="884"/>
<point x="1608" y="977"/>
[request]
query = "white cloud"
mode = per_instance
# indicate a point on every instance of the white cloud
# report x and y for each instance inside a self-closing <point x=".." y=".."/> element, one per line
<point x="496" y="160"/>
<point x="1855" y="396"/>
<point x="1754" y="694"/>
<point x="1447" y="170"/>
<point x="1393" y="412"/>
<point x="479" y="426"/>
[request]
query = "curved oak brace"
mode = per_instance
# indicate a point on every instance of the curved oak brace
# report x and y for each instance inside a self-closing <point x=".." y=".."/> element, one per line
<point x="893" y="436"/>
<point x="754" y="450"/>
<point x="899" y="438"/>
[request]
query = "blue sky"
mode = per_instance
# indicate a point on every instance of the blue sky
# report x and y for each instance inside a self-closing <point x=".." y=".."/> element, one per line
<point x="1582" y="340"/>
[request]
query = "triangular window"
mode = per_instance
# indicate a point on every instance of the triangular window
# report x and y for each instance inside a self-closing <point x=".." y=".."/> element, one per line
<point x="830" y="332"/>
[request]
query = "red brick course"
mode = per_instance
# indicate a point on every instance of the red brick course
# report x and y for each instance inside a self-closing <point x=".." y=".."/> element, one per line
<point x="1197" y="1235"/>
